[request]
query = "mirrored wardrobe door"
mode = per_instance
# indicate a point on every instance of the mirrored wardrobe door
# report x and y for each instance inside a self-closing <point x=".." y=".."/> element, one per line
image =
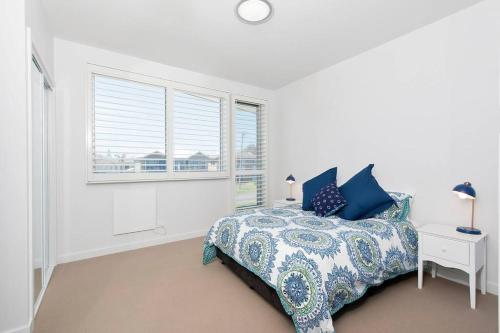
<point x="47" y="91"/>
<point x="38" y="178"/>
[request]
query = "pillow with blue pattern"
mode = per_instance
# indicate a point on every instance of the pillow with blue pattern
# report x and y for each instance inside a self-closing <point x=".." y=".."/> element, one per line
<point x="400" y="210"/>
<point x="328" y="200"/>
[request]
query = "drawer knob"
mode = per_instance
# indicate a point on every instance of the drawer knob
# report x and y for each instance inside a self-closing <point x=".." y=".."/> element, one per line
<point x="443" y="249"/>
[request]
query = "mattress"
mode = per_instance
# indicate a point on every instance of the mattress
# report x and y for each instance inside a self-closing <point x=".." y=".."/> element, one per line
<point x="316" y="265"/>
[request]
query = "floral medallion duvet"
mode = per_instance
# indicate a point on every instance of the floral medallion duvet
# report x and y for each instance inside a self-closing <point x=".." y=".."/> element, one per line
<point x="315" y="264"/>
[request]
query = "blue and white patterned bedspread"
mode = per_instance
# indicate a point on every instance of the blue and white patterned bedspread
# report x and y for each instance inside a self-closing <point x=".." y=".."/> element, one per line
<point x="316" y="265"/>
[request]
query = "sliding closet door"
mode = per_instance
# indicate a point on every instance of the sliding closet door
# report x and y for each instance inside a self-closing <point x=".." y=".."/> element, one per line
<point x="39" y="179"/>
<point x="47" y="91"/>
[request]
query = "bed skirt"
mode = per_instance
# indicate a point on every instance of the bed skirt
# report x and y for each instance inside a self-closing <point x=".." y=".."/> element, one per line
<point x="253" y="281"/>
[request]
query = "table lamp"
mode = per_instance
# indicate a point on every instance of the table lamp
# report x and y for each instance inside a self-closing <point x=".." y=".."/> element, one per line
<point x="290" y="180"/>
<point x="466" y="191"/>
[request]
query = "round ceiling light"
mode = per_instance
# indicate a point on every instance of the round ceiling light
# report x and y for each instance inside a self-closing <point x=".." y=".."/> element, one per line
<point x="254" y="11"/>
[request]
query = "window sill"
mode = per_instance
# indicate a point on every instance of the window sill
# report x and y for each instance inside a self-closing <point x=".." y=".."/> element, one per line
<point x="133" y="178"/>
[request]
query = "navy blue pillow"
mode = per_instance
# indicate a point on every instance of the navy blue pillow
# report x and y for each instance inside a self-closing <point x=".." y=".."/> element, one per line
<point x="365" y="198"/>
<point x="328" y="200"/>
<point x="312" y="186"/>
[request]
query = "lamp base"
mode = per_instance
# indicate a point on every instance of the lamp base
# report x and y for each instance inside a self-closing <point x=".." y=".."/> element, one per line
<point x="290" y="199"/>
<point x="469" y="230"/>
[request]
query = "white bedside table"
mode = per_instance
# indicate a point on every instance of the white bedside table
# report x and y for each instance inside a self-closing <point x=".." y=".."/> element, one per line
<point x="283" y="203"/>
<point x="445" y="246"/>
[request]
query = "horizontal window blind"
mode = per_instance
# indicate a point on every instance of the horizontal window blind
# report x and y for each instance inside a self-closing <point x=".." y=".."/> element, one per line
<point x="250" y="191"/>
<point x="250" y="144"/>
<point x="198" y="132"/>
<point x="143" y="128"/>
<point x="129" y="126"/>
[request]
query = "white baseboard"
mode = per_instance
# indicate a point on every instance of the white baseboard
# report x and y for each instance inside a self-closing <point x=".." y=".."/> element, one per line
<point x="462" y="278"/>
<point x="39" y="300"/>
<point x="22" y="329"/>
<point x="75" y="256"/>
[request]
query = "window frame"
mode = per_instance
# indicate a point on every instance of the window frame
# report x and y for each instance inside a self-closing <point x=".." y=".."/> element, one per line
<point x="169" y="86"/>
<point x="264" y="129"/>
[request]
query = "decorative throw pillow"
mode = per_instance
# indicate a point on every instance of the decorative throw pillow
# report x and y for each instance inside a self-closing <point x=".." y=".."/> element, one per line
<point x="312" y="186"/>
<point x="400" y="210"/>
<point x="328" y="200"/>
<point x="365" y="198"/>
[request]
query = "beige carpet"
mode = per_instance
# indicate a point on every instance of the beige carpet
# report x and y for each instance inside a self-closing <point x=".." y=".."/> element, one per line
<point x="167" y="289"/>
<point x="37" y="283"/>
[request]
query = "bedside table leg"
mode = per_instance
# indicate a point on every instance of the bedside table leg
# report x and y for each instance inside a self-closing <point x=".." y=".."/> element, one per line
<point x="483" y="270"/>
<point x="483" y="280"/>
<point x="420" y="273"/>
<point x="420" y="262"/>
<point x="472" y="287"/>
<point x="434" y="270"/>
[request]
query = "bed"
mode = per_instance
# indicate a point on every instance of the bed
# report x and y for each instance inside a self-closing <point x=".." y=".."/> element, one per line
<point x="310" y="267"/>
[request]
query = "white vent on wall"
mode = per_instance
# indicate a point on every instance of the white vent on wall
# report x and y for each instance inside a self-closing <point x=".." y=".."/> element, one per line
<point x="134" y="210"/>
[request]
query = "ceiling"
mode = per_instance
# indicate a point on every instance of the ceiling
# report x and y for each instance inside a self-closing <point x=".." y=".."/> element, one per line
<point x="303" y="36"/>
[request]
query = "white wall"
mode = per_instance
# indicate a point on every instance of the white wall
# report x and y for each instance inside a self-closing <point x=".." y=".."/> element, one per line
<point x="15" y="291"/>
<point x="85" y="221"/>
<point x="14" y="298"/>
<point x="424" y="108"/>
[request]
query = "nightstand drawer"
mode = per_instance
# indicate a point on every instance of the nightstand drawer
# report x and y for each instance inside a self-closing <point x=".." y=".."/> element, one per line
<point x="445" y="248"/>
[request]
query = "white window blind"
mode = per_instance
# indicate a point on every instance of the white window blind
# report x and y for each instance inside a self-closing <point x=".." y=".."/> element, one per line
<point x="143" y="128"/>
<point x="129" y="126"/>
<point x="199" y="130"/>
<point x="250" y="143"/>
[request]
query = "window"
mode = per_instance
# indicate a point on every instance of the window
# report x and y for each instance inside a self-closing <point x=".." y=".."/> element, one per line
<point x="197" y="132"/>
<point x="129" y="127"/>
<point x="143" y="128"/>
<point x="250" y="154"/>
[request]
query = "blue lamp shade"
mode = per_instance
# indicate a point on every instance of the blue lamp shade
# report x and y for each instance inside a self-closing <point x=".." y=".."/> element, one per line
<point x="290" y="179"/>
<point x="465" y="191"/>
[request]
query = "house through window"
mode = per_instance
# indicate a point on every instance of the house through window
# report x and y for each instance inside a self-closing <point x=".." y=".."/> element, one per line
<point x="145" y="128"/>
<point x="250" y="154"/>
